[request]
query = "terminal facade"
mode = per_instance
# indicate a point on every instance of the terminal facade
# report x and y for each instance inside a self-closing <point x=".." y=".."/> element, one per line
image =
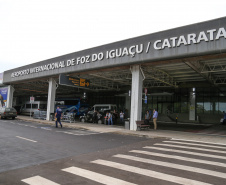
<point x="179" y="72"/>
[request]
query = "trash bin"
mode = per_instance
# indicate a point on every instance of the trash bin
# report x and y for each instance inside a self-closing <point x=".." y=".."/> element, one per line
<point x="127" y="124"/>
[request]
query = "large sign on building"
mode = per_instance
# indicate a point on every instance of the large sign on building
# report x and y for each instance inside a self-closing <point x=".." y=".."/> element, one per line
<point x="198" y="39"/>
<point x="3" y="96"/>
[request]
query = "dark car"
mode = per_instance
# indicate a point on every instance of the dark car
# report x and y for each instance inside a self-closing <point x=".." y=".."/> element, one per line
<point x="8" y="113"/>
<point x="18" y="109"/>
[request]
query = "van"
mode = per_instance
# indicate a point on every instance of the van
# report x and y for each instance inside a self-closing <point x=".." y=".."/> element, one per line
<point x="102" y="107"/>
<point x="29" y="108"/>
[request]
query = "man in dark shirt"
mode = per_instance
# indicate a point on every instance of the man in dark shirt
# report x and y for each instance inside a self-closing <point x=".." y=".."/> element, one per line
<point x="58" y="116"/>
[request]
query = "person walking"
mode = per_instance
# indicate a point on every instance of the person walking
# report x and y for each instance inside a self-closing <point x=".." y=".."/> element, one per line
<point x="109" y="117"/>
<point x="58" y="116"/>
<point x="121" y="116"/>
<point x="224" y="118"/>
<point x="155" y="116"/>
<point x="147" y="117"/>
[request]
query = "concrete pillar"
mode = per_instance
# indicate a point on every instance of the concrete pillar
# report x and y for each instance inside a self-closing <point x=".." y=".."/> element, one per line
<point x="51" y="98"/>
<point x="9" y="102"/>
<point x="192" y="104"/>
<point x="136" y="96"/>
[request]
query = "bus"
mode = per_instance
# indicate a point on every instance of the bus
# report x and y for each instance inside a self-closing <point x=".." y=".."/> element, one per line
<point x="72" y="105"/>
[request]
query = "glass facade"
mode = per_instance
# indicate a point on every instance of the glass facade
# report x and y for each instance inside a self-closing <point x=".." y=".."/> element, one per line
<point x="208" y="101"/>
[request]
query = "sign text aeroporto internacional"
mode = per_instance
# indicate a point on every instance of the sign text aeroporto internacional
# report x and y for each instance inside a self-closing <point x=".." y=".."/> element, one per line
<point x="132" y="51"/>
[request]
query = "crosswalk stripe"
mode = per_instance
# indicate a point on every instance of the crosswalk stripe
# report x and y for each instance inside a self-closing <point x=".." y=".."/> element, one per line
<point x="199" y="141"/>
<point x="187" y="147"/>
<point x="149" y="173"/>
<point x="37" y="180"/>
<point x="186" y="152"/>
<point x="195" y="144"/>
<point x="172" y="165"/>
<point x="180" y="158"/>
<point x="104" y="179"/>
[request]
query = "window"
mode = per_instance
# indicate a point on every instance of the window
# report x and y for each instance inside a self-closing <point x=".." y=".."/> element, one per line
<point x="28" y="106"/>
<point x="34" y="106"/>
<point x="43" y="106"/>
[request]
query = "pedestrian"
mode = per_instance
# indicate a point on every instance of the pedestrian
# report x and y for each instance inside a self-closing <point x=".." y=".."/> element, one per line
<point x="147" y="117"/>
<point x="224" y="118"/>
<point x="95" y="117"/>
<point x="155" y="116"/>
<point x="109" y="117"/>
<point x="121" y="116"/>
<point x="58" y="116"/>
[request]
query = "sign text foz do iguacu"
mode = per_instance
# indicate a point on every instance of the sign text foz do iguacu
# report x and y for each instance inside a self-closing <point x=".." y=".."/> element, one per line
<point x="173" y="42"/>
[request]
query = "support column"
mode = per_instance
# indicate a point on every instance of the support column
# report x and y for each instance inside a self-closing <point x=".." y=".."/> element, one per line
<point x="136" y="96"/>
<point x="192" y="104"/>
<point x="51" y="98"/>
<point x="9" y="102"/>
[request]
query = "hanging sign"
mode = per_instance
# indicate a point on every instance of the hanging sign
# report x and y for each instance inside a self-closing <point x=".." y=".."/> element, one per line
<point x="32" y="99"/>
<point x="75" y="82"/>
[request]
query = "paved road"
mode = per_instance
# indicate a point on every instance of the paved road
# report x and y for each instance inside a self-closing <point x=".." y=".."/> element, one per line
<point x="136" y="161"/>
<point x="25" y="143"/>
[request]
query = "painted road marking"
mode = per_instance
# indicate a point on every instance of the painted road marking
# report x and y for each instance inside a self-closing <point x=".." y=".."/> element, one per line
<point x="194" y="148"/>
<point x="199" y="141"/>
<point x="185" y="152"/>
<point x="195" y="144"/>
<point x="77" y="134"/>
<point x="33" y="126"/>
<point x="26" y="139"/>
<point x="37" y="180"/>
<point x="149" y="173"/>
<point x="172" y="165"/>
<point x="46" y="128"/>
<point x="179" y="158"/>
<point x="103" y="179"/>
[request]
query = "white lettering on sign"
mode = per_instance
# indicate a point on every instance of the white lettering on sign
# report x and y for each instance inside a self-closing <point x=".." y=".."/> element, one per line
<point x="190" y="38"/>
<point x="130" y="51"/>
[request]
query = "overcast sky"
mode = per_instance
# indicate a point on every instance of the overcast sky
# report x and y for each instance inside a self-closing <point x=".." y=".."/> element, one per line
<point x="35" y="30"/>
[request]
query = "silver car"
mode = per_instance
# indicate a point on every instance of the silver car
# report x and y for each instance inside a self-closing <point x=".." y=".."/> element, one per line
<point x="8" y="113"/>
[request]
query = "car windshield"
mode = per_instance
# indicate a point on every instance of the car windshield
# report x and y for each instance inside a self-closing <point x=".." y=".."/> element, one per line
<point x="101" y="108"/>
<point x="10" y="109"/>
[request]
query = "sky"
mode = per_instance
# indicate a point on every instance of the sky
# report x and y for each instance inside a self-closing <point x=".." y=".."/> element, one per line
<point x="36" y="30"/>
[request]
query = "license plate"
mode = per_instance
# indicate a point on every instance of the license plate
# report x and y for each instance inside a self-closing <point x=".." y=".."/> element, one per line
<point x="10" y="113"/>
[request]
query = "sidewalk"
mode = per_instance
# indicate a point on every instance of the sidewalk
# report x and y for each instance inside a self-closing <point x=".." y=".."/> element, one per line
<point x="144" y="133"/>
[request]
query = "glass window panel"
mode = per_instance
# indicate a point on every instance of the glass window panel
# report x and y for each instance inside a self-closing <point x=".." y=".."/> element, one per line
<point x="28" y="106"/>
<point x="200" y="107"/>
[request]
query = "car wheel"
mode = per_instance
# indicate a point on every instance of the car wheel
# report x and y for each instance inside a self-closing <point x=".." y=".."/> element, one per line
<point x="83" y="120"/>
<point x="13" y="117"/>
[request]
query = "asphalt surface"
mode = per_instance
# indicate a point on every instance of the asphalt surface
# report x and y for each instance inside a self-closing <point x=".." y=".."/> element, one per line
<point x="78" y="156"/>
<point x="51" y="143"/>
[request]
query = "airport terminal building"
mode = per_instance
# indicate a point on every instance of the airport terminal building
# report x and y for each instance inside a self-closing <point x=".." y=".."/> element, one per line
<point x="180" y="72"/>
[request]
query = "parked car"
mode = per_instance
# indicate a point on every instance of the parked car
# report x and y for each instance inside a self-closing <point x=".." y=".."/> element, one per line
<point x="8" y="113"/>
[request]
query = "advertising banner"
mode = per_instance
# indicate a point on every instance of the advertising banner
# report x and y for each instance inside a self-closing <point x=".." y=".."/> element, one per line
<point x="3" y="96"/>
